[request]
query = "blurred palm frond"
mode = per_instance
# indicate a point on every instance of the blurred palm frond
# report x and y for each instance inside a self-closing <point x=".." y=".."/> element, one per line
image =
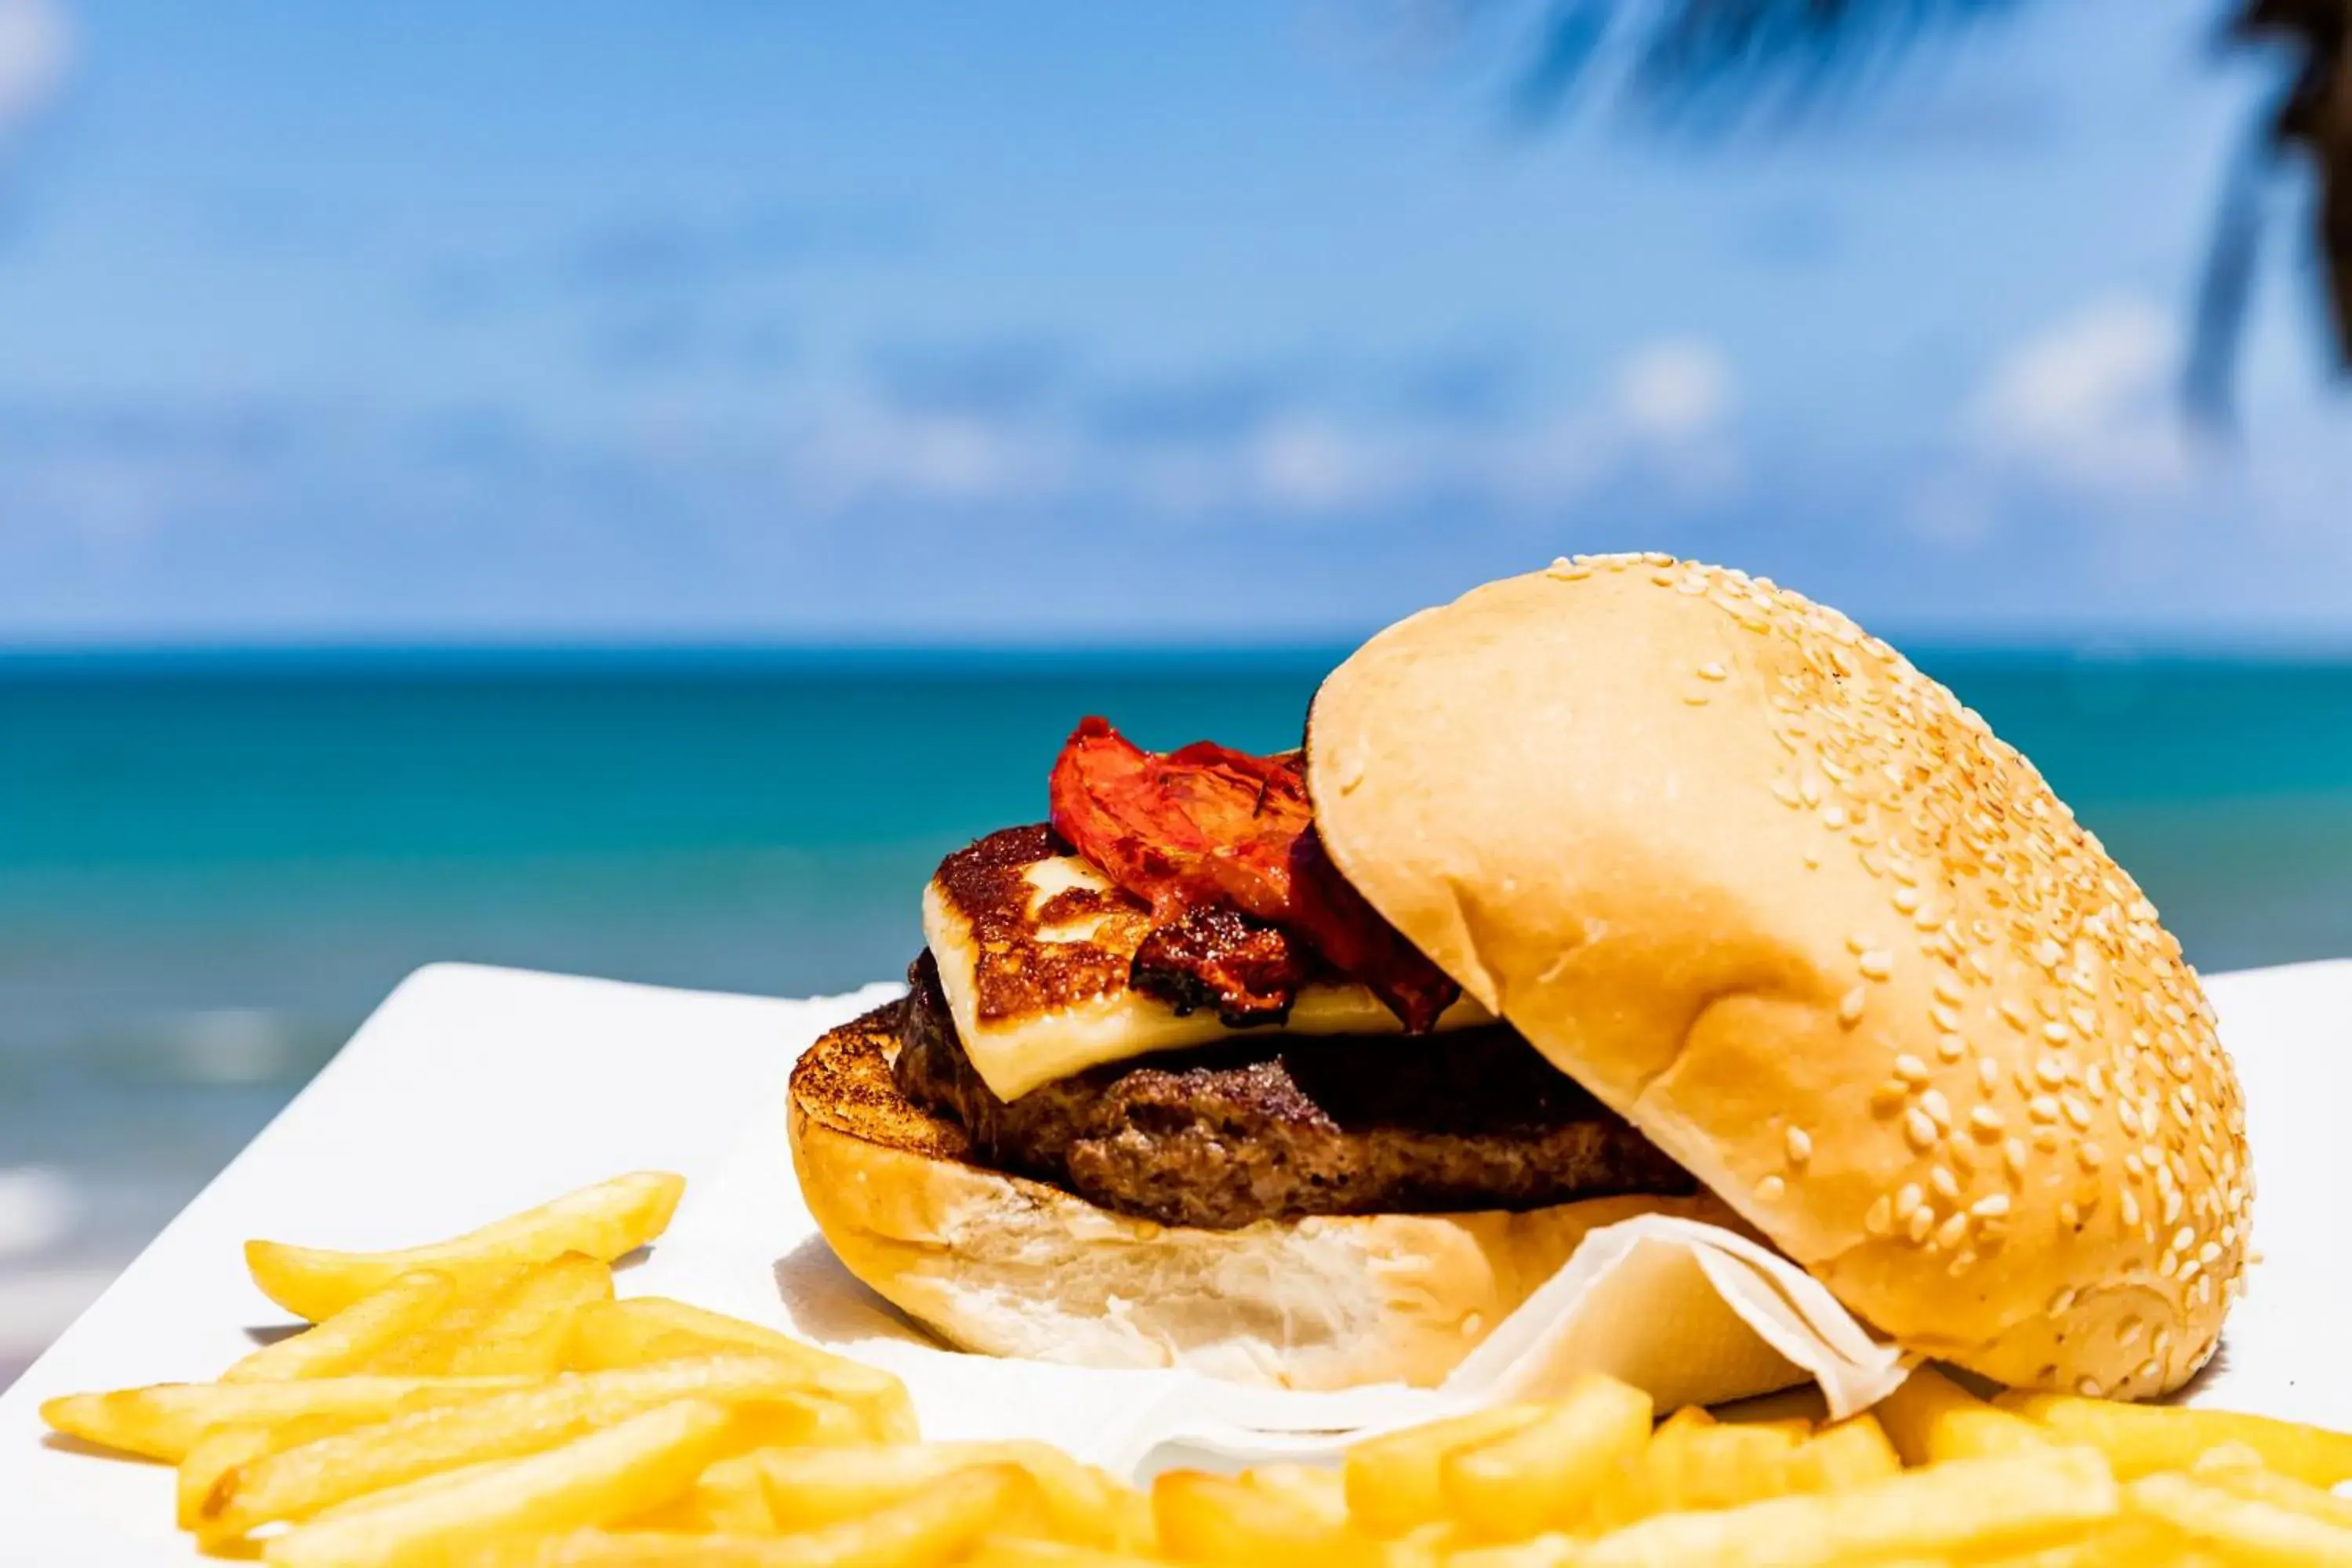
<point x="1708" y="66"/>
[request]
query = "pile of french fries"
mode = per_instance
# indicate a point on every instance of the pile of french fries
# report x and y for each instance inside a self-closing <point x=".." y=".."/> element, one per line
<point x="488" y="1402"/>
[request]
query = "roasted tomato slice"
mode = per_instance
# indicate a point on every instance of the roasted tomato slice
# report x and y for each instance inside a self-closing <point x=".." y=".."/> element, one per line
<point x="1207" y="825"/>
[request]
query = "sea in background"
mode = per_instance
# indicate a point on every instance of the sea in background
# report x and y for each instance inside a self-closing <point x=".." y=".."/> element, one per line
<point x="213" y="865"/>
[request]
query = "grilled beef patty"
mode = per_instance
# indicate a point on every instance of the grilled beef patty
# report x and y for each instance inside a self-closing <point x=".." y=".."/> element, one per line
<point x="1270" y="1127"/>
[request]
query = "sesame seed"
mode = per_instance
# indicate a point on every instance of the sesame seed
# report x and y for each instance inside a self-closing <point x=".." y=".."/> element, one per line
<point x="1950" y="1048"/>
<point x="2090" y="1388"/>
<point x="1986" y="1122"/>
<point x="1908" y="1200"/>
<point x="2056" y="1033"/>
<point x="2051" y="1072"/>
<point x="1949" y="990"/>
<point x="1923" y="1220"/>
<point x="1801" y="1146"/>
<point x="1952" y="1232"/>
<point x="2091" y="1155"/>
<point x="1918" y="1129"/>
<point x="2076" y="1112"/>
<point x="1771" y="1189"/>
<point x="1906" y="898"/>
<point x="1946" y="1185"/>
<point x="2148" y="1370"/>
<point x="2130" y="1207"/>
<point x="1911" y="1069"/>
<point x="2041" y="1107"/>
<point x="1991" y="1207"/>
<point x="1939" y="1108"/>
<point x="2069" y="1215"/>
<point x="1857" y="944"/>
<point x="2013" y="1156"/>
<point x="1712" y="671"/>
<point x="1944" y="1017"/>
<point x="1695" y="698"/>
<point x="1876" y="964"/>
<point x="2131" y="1329"/>
<point x="1850" y="1007"/>
<point x="2061" y="1303"/>
<point x="1989" y="1079"/>
<point x="1879" y="1218"/>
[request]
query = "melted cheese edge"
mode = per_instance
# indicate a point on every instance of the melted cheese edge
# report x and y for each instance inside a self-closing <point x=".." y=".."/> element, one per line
<point x="1013" y="1056"/>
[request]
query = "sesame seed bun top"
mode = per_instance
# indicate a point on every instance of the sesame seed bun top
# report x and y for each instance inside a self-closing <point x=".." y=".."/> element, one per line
<point x="1785" y="904"/>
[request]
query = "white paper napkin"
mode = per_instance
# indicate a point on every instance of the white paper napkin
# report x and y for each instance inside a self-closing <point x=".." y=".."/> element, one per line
<point x="1693" y="1312"/>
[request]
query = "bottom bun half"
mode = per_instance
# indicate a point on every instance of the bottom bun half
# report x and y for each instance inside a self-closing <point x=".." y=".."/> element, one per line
<point x="1011" y="1267"/>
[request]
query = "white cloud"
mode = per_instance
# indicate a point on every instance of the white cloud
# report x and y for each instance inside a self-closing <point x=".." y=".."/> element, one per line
<point x="1663" y="411"/>
<point x="36" y="49"/>
<point x="1676" y="390"/>
<point x="2090" y="403"/>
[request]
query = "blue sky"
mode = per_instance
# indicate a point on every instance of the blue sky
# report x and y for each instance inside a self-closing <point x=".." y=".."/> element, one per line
<point x="719" y="320"/>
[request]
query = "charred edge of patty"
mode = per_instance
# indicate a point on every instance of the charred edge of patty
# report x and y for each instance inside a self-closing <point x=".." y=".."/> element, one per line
<point x="1276" y="1127"/>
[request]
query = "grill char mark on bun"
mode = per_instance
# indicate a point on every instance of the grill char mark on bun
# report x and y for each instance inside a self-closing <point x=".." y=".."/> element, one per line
<point x="1271" y="1128"/>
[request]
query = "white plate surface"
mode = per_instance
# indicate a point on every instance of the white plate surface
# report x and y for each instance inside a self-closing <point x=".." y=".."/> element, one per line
<point x="473" y="1092"/>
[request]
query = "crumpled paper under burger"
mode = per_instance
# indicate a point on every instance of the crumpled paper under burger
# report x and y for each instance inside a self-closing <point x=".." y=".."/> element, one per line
<point x="1695" y="1314"/>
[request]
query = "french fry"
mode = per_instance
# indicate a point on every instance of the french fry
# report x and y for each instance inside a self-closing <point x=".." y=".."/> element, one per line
<point x="921" y="1532"/>
<point x="223" y="1450"/>
<point x="604" y="1221"/>
<point x="625" y="1470"/>
<point x="649" y="1329"/>
<point x="804" y="1489"/>
<point x="731" y="1499"/>
<point x="1964" y="1508"/>
<point x="2239" y="1470"/>
<point x="165" y="1420"/>
<point x="1846" y="1454"/>
<point x="1306" y="1487"/>
<point x="520" y="1324"/>
<point x="1543" y="1552"/>
<point x="1931" y="1417"/>
<point x="1804" y="1406"/>
<point x="2143" y="1439"/>
<point x="348" y="1340"/>
<point x="1394" y="1482"/>
<point x="300" y="1483"/>
<point x="1693" y="1461"/>
<point x="2237" y="1528"/>
<point x="1202" y="1518"/>
<point x="1543" y="1474"/>
<point x="1021" y="1552"/>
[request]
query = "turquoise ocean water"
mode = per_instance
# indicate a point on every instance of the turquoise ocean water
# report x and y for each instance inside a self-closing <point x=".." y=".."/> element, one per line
<point x="212" y="866"/>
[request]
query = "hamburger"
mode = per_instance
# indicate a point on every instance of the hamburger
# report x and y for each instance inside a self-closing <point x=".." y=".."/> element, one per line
<point x="1630" y="886"/>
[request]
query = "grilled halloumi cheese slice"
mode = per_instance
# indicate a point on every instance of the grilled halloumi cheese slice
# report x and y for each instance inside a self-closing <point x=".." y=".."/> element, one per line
<point x="1034" y="949"/>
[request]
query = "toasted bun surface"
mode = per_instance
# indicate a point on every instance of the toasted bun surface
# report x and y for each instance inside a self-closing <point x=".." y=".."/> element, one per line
<point x="1000" y="1264"/>
<point x="1782" y="902"/>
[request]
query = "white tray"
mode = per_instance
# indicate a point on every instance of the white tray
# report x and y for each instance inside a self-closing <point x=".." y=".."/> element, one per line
<point x="473" y="1092"/>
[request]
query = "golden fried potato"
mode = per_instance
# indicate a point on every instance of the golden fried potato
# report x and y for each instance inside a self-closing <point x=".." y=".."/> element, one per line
<point x="521" y="1323"/>
<point x="1394" y="1482"/>
<point x="1545" y="1475"/>
<point x="347" y="1342"/>
<point x="649" y="1329"/>
<point x="165" y="1420"/>
<point x="1960" y="1508"/>
<point x="1931" y="1417"/>
<point x="623" y="1470"/>
<point x="2143" y="1439"/>
<point x="922" y="1532"/>
<point x="605" y="1222"/>
<point x="301" y="1481"/>
<point x="1202" y="1518"/>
